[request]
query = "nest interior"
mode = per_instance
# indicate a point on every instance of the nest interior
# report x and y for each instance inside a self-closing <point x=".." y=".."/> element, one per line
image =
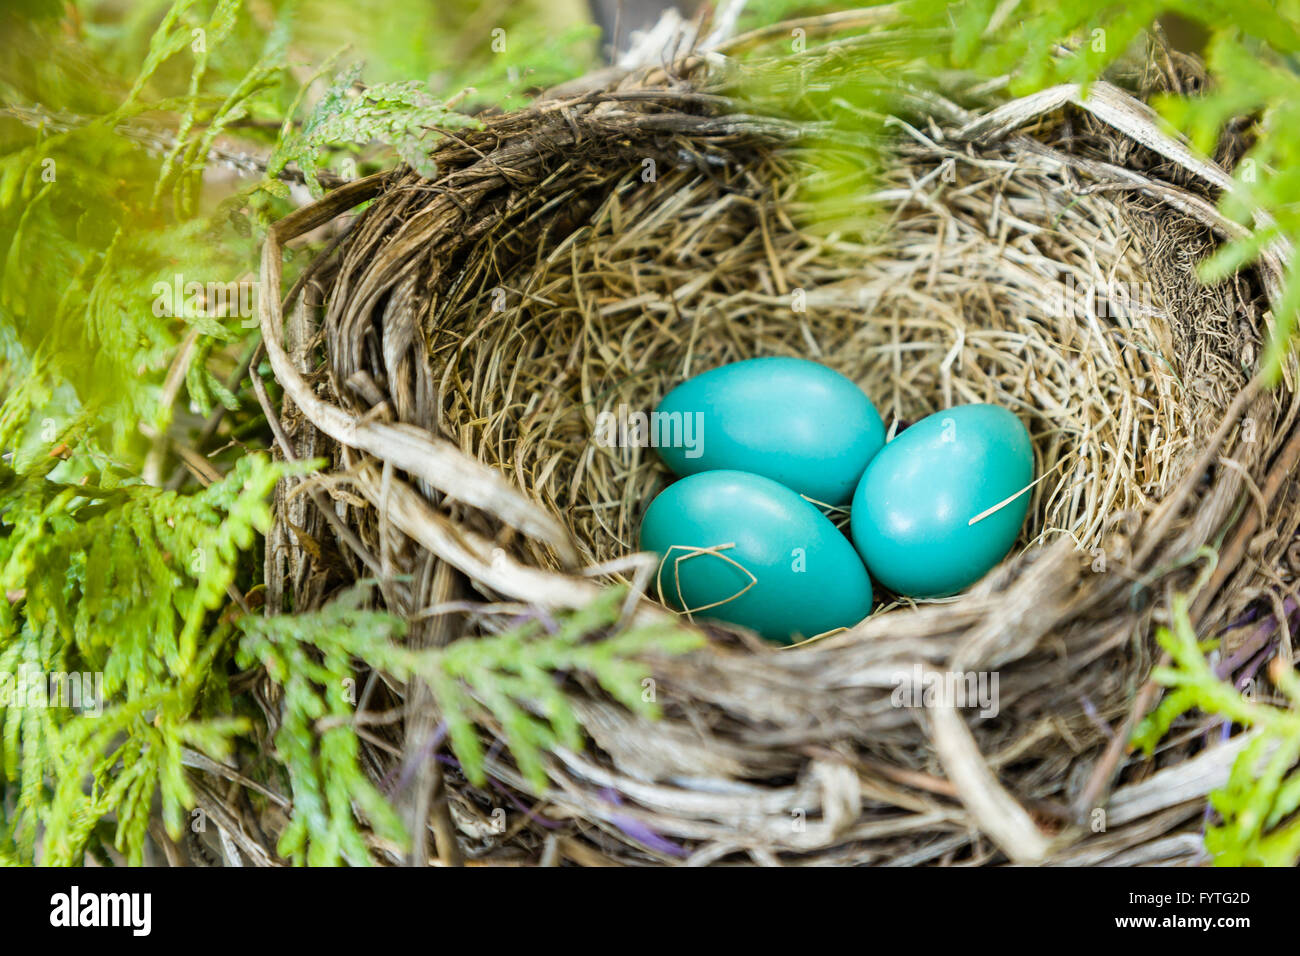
<point x="987" y="293"/>
<point x="452" y="348"/>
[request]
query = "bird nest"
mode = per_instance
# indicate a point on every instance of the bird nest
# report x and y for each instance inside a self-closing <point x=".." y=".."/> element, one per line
<point x="452" y="347"/>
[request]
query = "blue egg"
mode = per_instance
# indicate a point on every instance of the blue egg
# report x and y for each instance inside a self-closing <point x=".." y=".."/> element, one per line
<point x="745" y="549"/>
<point x="788" y="419"/>
<point x="912" y="512"/>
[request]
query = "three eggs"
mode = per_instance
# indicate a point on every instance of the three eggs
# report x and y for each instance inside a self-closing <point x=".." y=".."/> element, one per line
<point x="742" y="536"/>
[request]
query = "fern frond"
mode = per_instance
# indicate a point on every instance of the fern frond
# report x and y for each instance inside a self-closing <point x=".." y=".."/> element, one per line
<point x="311" y="657"/>
<point x="402" y="115"/>
<point x="118" y="583"/>
<point x="514" y="680"/>
<point x="511" y="678"/>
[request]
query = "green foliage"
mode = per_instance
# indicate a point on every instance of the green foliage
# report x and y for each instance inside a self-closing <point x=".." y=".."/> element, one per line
<point x="102" y="575"/>
<point x="1259" y="807"/>
<point x="500" y="50"/>
<point x="509" y="680"/>
<point x="85" y="243"/>
<point x="402" y="115"/>
<point x="201" y="123"/>
<point x="111" y="120"/>
<point x="311" y="657"/>
<point x="842" y="95"/>
<point x="1256" y="77"/>
<point x="1251" y="54"/>
<point x="117" y="583"/>
<point x="532" y="55"/>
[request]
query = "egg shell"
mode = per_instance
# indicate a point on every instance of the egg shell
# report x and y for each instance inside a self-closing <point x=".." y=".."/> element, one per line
<point x="788" y="419"/>
<point x="808" y="578"/>
<point x="912" y="509"/>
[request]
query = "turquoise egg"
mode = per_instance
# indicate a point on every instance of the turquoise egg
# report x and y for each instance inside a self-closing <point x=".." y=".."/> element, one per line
<point x="788" y="419"/>
<point x="912" y="510"/>
<point x="806" y="578"/>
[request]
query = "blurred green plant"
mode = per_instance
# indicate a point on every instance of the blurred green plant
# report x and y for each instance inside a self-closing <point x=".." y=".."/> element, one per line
<point x="115" y="126"/>
<point x="1250" y="49"/>
<point x="1250" y="53"/>
<point x="511" y="679"/>
<point x="1259" y="806"/>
